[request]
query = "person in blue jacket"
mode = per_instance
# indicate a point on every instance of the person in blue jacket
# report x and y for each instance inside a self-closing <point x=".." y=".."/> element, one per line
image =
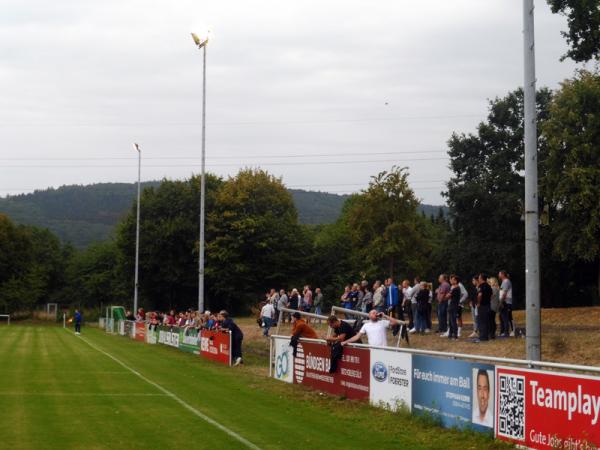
<point x="77" y="320"/>
<point x="393" y="304"/>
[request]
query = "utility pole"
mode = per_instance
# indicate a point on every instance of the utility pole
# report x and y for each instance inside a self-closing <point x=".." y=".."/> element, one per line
<point x="202" y="46"/>
<point x="137" y="232"/>
<point x="532" y="251"/>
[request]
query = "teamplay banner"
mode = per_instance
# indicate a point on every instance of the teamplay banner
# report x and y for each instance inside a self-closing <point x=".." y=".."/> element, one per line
<point x="351" y="379"/>
<point x="391" y="379"/>
<point x="216" y="345"/>
<point x="459" y="392"/>
<point x="284" y="363"/>
<point x="540" y="409"/>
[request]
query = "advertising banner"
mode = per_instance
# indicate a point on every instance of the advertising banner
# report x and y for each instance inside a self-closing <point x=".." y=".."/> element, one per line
<point x="351" y="379"/>
<point x="391" y="379"/>
<point x="121" y="327"/>
<point x="140" y="331"/>
<point x="169" y="337"/>
<point x="284" y="363"/>
<point x="129" y="328"/>
<point x="188" y="340"/>
<point x="459" y="392"/>
<point x="151" y="335"/>
<point x="216" y="345"/>
<point x="540" y="409"/>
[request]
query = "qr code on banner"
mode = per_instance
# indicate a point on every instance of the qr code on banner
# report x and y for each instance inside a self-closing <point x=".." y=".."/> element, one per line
<point x="511" y="406"/>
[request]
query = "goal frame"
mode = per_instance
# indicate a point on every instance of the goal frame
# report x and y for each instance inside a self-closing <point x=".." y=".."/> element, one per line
<point x="5" y="316"/>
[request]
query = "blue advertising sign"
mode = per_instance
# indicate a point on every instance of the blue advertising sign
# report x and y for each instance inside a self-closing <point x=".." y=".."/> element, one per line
<point x="460" y="393"/>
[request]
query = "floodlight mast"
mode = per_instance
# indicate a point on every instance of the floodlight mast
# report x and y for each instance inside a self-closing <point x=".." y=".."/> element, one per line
<point x="202" y="46"/>
<point x="137" y="231"/>
<point x="532" y="252"/>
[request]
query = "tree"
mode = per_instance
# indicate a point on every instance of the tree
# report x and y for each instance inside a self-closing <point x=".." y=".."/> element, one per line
<point x="257" y="241"/>
<point x="169" y="232"/>
<point x="572" y="179"/>
<point x="385" y="229"/>
<point x="583" y="18"/>
<point x="486" y="190"/>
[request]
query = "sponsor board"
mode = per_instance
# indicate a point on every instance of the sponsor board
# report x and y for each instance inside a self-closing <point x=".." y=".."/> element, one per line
<point x="216" y="345"/>
<point x="170" y="338"/>
<point x="351" y="379"/>
<point x="188" y="340"/>
<point x="140" y="331"/>
<point x="121" y="327"/>
<point x="540" y="409"/>
<point x="460" y="393"/>
<point x="151" y="336"/>
<point x="391" y="379"/>
<point x="284" y="365"/>
<point x="129" y="328"/>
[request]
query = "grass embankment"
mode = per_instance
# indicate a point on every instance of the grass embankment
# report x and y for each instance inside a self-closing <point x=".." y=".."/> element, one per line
<point x="57" y="392"/>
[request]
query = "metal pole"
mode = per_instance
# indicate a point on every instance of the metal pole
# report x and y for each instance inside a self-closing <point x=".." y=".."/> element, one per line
<point x="532" y="254"/>
<point x="202" y="188"/>
<point x="137" y="232"/>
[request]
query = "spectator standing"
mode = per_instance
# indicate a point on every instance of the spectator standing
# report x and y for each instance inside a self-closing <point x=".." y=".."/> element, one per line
<point x="473" y="301"/>
<point x="453" y="305"/>
<point x="294" y="299"/>
<point x="353" y="297"/>
<point x="345" y="298"/>
<point x="414" y="291"/>
<point x="375" y="329"/>
<point x="506" y="304"/>
<point x="429" y="308"/>
<point x="308" y="299"/>
<point x="318" y="301"/>
<point x="267" y="314"/>
<point x="422" y="299"/>
<point x="226" y="323"/>
<point x="464" y="298"/>
<point x="378" y="297"/>
<point x="282" y="303"/>
<point x="494" y="305"/>
<point x="367" y="300"/>
<point x="392" y="300"/>
<point x="77" y="319"/>
<point x="406" y="308"/>
<point x="484" y="298"/>
<point x="442" y="296"/>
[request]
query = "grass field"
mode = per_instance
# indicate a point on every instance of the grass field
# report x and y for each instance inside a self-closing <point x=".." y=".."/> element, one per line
<point x="61" y="391"/>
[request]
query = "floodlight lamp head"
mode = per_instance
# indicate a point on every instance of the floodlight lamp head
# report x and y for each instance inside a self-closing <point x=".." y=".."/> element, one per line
<point x="136" y="146"/>
<point x="199" y="42"/>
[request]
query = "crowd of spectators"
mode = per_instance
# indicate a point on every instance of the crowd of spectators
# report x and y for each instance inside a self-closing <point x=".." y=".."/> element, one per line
<point x="193" y="320"/>
<point x="488" y="299"/>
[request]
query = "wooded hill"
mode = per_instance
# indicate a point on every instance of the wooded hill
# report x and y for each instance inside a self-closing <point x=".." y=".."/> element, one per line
<point x="85" y="214"/>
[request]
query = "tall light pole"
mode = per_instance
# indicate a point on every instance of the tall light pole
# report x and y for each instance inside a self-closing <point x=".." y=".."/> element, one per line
<point x="532" y="252"/>
<point x="137" y="231"/>
<point x="202" y="44"/>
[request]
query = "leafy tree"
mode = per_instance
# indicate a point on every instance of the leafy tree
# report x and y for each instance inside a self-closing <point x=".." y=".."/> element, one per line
<point x="486" y="190"/>
<point x="256" y="242"/>
<point x="583" y="18"/>
<point x="169" y="230"/>
<point x="385" y="228"/>
<point x="572" y="179"/>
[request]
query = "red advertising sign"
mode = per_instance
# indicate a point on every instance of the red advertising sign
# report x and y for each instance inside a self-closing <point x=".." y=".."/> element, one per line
<point x="216" y="345"/>
<point x="351" y="379"/>
<point x="546" y="410"/>
<point x="140" y="331"/>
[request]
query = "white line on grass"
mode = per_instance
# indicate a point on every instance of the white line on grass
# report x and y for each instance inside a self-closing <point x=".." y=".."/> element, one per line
<point x="168" y="393"/>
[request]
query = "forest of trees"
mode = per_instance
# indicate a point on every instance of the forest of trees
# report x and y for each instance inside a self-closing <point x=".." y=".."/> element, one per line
<point x="256" y="241"/>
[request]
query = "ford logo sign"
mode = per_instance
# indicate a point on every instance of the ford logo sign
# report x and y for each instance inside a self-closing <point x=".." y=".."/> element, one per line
<point x="379" y="371"/>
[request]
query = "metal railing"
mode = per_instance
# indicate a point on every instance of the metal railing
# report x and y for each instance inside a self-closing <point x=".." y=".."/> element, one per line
<point x="492" y="359"/>
<point x="302" y="313"/>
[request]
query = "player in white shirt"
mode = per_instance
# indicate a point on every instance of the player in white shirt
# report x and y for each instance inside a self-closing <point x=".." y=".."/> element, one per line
<point x="375" y="329"/>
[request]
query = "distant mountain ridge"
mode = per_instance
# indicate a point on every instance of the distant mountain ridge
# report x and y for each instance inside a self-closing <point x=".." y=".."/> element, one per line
<point x="84" y="214"/>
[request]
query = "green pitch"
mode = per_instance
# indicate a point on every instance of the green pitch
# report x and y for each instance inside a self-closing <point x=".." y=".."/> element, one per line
<point x="97" y="391"/>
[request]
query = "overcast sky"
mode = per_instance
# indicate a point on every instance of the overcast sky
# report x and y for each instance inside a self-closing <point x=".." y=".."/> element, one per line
<point x="369" y="84"/>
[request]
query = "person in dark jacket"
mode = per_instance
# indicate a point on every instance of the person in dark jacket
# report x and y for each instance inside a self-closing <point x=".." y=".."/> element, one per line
<point x="422" y="307"/>
<point x="453" y="305"/>
<point x="226" y="323"/>
<point x="77" y="320"/>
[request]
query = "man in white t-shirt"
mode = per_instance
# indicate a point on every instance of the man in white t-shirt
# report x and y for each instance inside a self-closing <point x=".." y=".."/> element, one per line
<point x="375" y="329"/>
<point x="267" y="314"/>
<point x="506" y="302"/>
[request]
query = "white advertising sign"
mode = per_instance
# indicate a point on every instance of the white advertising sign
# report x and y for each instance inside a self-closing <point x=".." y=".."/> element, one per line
<point x="284" y="360"/>
<point x="391" y="379"/>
